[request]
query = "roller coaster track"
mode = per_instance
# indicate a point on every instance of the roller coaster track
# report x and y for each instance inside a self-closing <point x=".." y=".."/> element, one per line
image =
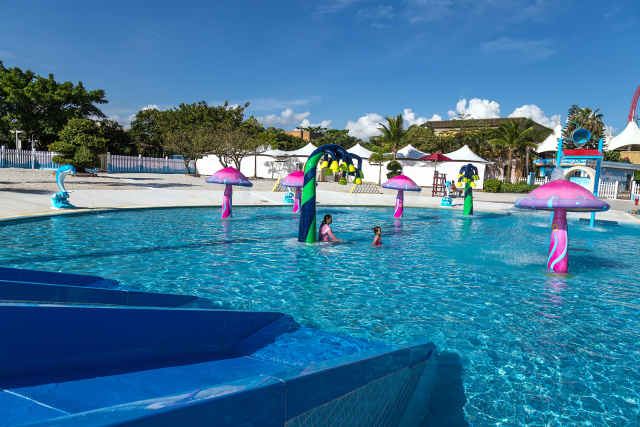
<point x="634" y="104"/>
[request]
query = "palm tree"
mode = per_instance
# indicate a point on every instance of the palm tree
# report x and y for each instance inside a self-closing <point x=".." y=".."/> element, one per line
<point x="512" y="138"/>
<point x="587" y="119"/>
<point x="394" y="134"/>
<point x="378" y="157"/>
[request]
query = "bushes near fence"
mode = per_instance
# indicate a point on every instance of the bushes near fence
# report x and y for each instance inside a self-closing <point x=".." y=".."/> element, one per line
<point x="496" y="186"/>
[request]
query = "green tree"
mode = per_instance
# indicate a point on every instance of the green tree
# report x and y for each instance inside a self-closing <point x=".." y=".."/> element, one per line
<point x="192" y="143"/>
<point x="378" y="157"/>
<point x="40" y="106"/>
<point x="80" y="144"/>
<point x="424" y="138"/>
<point x="145" y="133"/>
<point x="119" y="141"/>
<point x="393" y="133"/>
<point x="587" y="119"/>
<point x="512" y="138"/>
<point x="395" y="168"/>
<point x="340" y="137"/>
<point x="232" y="143"/>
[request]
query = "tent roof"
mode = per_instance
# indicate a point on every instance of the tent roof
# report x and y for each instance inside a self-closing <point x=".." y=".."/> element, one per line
<point x="630" y="135"/>
<point x="359" y="150"/>
<point x="551" y="142"/>
<point x="304" y="151"/>
<point x="465" y="155"/>
<point x="409" y="152"/>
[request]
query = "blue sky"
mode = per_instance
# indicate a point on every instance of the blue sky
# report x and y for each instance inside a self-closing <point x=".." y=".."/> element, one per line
<point x="344" y="63"/>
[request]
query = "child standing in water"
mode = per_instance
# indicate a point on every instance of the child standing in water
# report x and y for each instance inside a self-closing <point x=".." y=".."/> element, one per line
<point x="326" y="235"/>
<point x="377" y="239"/>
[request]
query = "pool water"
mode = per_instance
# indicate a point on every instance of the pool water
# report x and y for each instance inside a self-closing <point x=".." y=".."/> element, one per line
<point x="535" y="348"/>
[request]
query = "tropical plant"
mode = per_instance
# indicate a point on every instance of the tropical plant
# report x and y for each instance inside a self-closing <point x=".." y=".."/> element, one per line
<point x="378" y="157"/>
<point x="513" y="138"/>
<point x="393" y="133"/>
<point x="118" y="139"/>
<point x="80" y="144"/>
<point x="491" y="186"/>
<point x="395" y="168"/>
<point x="587" y="119"/>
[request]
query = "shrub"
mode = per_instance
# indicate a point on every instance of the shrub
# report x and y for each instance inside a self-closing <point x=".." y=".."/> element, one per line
<point x="492" y="186"/>
<point x="520" y="187"/>
<point x="80" y="144"/>
<point x="394" y="168"/>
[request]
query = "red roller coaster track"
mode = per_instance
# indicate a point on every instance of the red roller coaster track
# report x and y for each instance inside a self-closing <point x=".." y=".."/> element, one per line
<point x="634" y="104"/>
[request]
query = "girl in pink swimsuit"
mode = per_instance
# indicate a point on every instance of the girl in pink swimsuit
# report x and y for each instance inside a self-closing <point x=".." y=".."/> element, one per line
<point x="377" y="239"/>
<point x="326" y="235"/>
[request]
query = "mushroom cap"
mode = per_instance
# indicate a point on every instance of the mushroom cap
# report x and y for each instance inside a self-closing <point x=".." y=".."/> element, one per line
<point x="229" y="176"/>
<point x="294" y="179"/>
<point x="401" y="182"/>
<point x="562" y="194"/>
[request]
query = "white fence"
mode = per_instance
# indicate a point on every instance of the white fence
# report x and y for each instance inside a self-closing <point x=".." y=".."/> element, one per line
<point x="27" y="159"/>
<point x="146" y="164"/>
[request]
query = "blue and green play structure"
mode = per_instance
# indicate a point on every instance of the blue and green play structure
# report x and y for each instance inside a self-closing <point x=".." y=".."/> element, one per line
<point x="333" y="154"/>
<point x="468" y="174"/>
<point x="60" y="200"/>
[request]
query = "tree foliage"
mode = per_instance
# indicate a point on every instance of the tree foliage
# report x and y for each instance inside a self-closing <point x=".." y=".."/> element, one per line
<point x="587" y="119"/>
<point x="119" y="141"/>
<point x="378" y="157"/>
<point x="40" y="106"/>
<point x="393" y="133"/>
<point x="80" y="144"/>
<point x="513" y="138"/>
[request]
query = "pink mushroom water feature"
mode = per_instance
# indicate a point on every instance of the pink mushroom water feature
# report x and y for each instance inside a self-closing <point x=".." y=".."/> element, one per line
<point x="561" y="196"/>
<point x="229" y="177"/>
<point x="295" y="180"/>
<point x="401" y="183"/>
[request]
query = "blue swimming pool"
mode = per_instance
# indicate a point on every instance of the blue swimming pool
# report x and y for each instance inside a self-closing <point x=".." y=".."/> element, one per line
<point x="535" y="349"/>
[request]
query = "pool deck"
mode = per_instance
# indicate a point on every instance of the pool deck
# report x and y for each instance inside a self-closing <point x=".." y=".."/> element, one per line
<point x="141" y="192"/>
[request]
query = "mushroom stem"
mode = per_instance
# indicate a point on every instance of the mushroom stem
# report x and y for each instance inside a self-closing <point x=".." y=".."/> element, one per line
<point x="399" y="205"/>
<point x="558" y="261"/>
<point x="226" y="202"/>
<point x="296" y="200"/>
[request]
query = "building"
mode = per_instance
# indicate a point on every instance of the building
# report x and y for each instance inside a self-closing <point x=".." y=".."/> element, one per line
<point x="440" y="126"/>
<point x="304" y="134"/>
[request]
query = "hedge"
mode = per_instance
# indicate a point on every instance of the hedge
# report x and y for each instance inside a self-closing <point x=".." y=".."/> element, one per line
<point x="496" y="186"/>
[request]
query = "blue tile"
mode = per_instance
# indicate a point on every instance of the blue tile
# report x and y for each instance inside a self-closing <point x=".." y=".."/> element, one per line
<point x="318" y="383"/>
<point x="241" y="324"/>
<point x="16" y="410"/>
<point x="418" y="353"/>
<point x="257" y="401"/>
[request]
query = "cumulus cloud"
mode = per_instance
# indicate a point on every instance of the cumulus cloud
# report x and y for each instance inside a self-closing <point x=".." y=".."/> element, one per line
<point x="286" y="118"/>
<point x="365" y="127"/>
<point x="410" y="118"/>
<point x="536" y="114"/>
<point x="323" y="124"/>
<point x="478" y="109"/>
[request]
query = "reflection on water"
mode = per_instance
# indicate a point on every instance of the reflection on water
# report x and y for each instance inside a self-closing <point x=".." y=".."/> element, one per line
<point x="532" y="348"/>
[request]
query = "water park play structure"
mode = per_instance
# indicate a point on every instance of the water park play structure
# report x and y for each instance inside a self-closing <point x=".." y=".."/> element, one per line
<point x="330" y="152"/>
<point x="228" y="176"/>
<point x="294" y="180"/>
<point x="468" y="174"/>
<point x="60" y="200"/>
<point x="401" y="183"/>
<point x="447" y="201"/>
<point x="561" y="196"/>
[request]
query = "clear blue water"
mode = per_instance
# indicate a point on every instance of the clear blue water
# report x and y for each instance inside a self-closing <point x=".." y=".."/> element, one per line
<point x="536" y="349"/>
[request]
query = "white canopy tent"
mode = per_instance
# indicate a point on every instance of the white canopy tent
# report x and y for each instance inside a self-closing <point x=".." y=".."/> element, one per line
<point x="359" y="150"/>
<point x="629" y="136"/>
<point x="304" y="152"/>
<point x="551" y="142"/>
<point x="409" y="152"/>
<point x="466" y="155"/>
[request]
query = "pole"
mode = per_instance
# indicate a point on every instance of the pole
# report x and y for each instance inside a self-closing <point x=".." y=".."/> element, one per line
<point x="558" y="261"/>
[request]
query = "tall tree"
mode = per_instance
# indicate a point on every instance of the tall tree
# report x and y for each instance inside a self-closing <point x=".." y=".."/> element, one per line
<point x="146" y="134"/>
<point x="513" y="138"/>
<point x="118" y="139"/>
<point x="394" y="133"/>
<point x="40" y="106"/>
<point x="80" y="144"/>
<point x="378" y="158"/>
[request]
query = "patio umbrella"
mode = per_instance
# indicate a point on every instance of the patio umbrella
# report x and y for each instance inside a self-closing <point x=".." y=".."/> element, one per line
<point x="436" y="157"/>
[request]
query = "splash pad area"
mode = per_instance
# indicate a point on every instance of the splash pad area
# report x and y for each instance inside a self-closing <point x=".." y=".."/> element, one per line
<point x="528" y="347"/>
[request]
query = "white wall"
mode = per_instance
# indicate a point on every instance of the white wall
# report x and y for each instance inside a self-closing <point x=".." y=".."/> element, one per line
<point x="272" y="168"/>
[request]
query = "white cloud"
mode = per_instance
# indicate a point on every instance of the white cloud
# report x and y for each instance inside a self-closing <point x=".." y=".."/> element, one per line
<point x="410" y="118"/>
<point x="478" y="109"/>
<point x="286" y="118"/>
<point x="527" y="50"/>
<point x="365" y="127"/>
<point x="372" y="16"/>
<point x="324" y="124"/>
<point x="536" y="114"/>
<point x="133" y="116"/>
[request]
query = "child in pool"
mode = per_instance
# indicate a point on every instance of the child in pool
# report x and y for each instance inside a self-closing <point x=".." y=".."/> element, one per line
<point x="326" y="235"/>
<point x="377" y="239"/>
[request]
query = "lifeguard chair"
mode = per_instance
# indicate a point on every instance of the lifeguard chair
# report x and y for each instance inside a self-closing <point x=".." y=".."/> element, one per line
<point x="439" y="188"/>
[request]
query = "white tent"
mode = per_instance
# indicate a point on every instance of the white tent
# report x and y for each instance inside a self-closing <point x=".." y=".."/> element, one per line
<point x="551" y="142"/>
<point x="301" y="152"/>
<point x="466" y="155"/>
<point x="409" y="152"/>
<point x="629" y="136"/>
<point x="359" y="150"/>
